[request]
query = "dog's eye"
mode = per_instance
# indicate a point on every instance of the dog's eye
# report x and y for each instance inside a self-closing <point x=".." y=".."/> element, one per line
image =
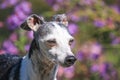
<point x="51" y="41"/>
<point x="71" y="41"/>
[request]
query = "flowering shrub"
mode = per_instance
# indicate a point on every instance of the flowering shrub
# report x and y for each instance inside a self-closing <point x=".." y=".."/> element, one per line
<point x="93" y="23"/>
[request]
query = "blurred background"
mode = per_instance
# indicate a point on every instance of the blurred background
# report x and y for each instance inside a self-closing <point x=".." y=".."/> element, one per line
<point x="95" y="24"/>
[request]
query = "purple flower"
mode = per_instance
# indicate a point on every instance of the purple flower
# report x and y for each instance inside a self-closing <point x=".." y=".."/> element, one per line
<point x="116" y="8"/>
<point x="13" y="22"/>
<point x="116" y="41"/>
<point x="10" y="47"/>
<point x="111" y="71"/>
<point x="21" y="15"/>
<point x="51" y="2"/>
<point x="99" y="23"/>
<point x="13" y="2"/>
<point x="75" y="18"/>
<point x="59" y="1"/>
<point x="87" y="2"/>
<point x="95" y="51"/>
<point x="94" y="68"/>
<point x="73" y="28"/>
<point x="105" y="68"/>
<point x="106" y="71"/>
<point x="95" y="56"/>
<point x="112" y="36"/>
<point x="80" y="55"/>
<point x="26" y="7"/>
<point x="22" y="10"/>
<point x="3" y="5"/>
<point x="8" y="3"/>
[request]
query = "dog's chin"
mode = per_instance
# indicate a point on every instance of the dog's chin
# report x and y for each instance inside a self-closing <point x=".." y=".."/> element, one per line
<point x="65" y="65"/>
<point x="56" y="61"/>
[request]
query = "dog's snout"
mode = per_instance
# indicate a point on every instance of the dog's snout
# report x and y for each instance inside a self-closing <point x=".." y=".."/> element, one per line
<point x="70" y="60"/>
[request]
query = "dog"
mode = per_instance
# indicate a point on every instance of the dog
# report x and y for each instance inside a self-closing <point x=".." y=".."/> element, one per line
<point x="50" y="48"/>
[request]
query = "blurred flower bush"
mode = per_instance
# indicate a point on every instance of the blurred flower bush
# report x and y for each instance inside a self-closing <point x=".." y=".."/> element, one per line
<point x="95" y="24"/>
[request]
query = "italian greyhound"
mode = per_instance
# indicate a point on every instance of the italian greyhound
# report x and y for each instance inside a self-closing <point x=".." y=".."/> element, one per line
<point x="50" y="48"/>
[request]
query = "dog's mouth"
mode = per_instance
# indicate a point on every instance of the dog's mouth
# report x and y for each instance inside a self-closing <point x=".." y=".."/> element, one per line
<point x="66" y="64"/>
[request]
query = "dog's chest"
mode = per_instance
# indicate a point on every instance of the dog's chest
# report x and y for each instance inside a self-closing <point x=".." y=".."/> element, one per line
<point x="37" y="71"/>
<point x="44" y="73"/>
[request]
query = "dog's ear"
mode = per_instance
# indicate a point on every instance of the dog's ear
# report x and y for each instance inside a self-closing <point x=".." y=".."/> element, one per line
<point x="33" y="22"/>
<point x="61" y="18"/>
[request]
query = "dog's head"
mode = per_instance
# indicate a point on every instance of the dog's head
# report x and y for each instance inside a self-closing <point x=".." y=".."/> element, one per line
<point x="53" y="38"/>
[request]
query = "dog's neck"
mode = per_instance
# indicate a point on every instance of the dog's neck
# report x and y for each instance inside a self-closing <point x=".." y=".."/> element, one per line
<point x="41" y="67"/>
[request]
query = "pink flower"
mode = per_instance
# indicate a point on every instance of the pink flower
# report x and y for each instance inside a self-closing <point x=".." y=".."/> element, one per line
<point x="2" y="52"/>
<point x="96" y="48"/>
<point x="1" y="24"/>
<point x="66" y="72"/>
<point x="56" y="7"/>
<point x="60" y="71"/>
<point x="69" y="72"/>
<point x="13" y="37"/>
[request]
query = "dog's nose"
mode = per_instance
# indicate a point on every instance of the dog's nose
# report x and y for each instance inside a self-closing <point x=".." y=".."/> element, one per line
<point x="70" y="60"/>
